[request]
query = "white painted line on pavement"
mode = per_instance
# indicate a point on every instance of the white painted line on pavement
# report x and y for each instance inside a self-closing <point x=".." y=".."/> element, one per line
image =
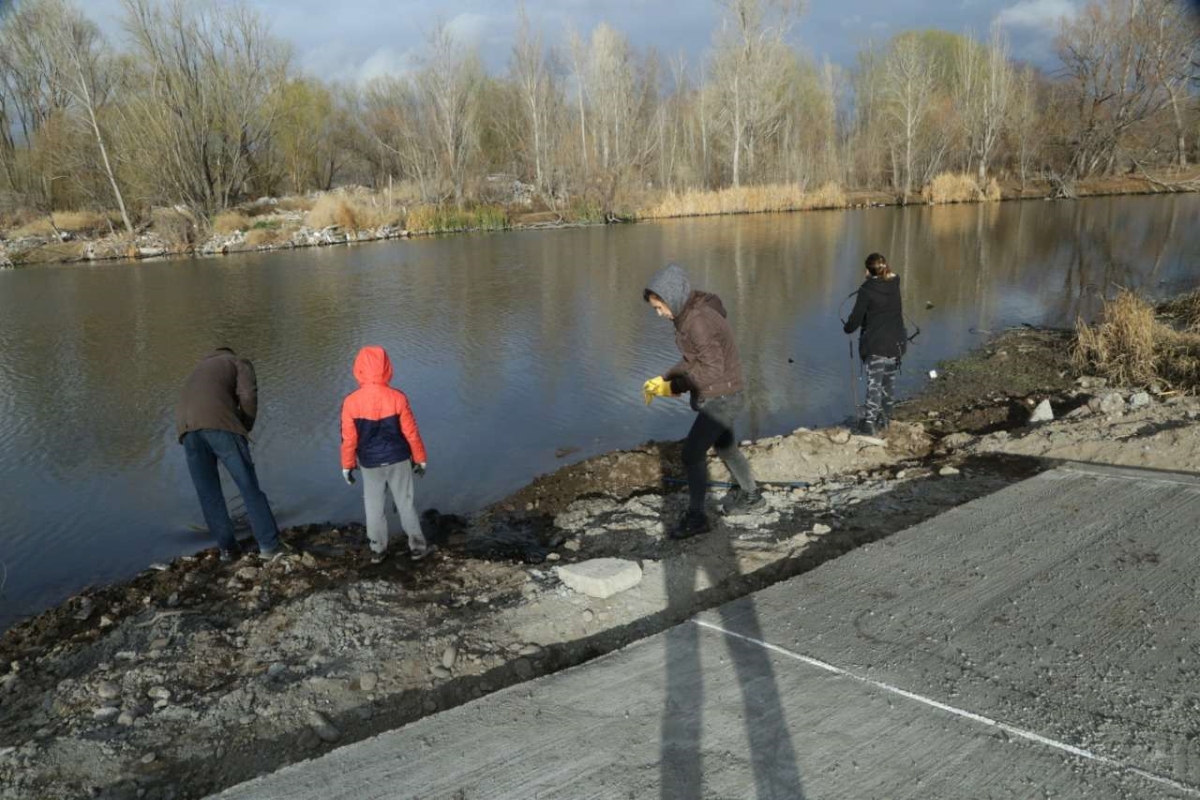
<point x="1022" y="733"/>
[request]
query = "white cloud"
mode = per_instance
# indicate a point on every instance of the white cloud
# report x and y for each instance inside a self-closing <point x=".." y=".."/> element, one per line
<point x="469" y="29"/>
<point x="1037" y="14"/>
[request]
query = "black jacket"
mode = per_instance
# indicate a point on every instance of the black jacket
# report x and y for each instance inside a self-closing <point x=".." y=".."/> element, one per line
<point x="880" y="315"/>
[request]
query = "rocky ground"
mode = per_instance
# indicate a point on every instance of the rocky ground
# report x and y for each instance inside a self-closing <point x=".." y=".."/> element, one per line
<point x="197" y="675"/>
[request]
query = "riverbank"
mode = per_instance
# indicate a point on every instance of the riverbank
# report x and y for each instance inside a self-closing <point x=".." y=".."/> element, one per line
<point x="355" y="215"/>
<point x="197" y="675"/>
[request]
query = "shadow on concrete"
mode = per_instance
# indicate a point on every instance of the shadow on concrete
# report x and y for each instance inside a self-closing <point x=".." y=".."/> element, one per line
<point x="773" y="756"/>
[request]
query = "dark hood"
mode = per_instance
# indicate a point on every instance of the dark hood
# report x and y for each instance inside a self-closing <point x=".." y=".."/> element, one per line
<point x="882" y="287"/>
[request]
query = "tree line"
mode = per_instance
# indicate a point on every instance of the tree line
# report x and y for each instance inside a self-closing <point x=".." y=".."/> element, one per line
<point x="198" y="105"/>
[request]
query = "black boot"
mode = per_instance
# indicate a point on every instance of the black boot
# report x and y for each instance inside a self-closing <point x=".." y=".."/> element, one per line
<point x="692" y="523"/>
<point x="737" y="501"/>
<point x="865" y="427"/>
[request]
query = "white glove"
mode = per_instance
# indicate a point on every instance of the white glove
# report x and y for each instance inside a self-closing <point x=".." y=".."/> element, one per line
<point x="348" y="475"/>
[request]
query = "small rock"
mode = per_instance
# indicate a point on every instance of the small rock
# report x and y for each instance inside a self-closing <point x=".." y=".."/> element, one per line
<point x="821" y="528"/>
<point x="159" y="705"/>
<point x="127" y="718"/>
<point x="322" y="727"/>
<point x="148" y="758"/>
<point x="523" y="668"/>
<point x="247" y="573"/>
<point x="430" y="705"/>
<point x="106" y="713"/>
<point x="530" y="650"/>
<point x="588" y="615"/>
<point x="947" y="472"/>
<point x="601" y="577"/>
<point x="449" y="657"/>
<point x="308" y="560"/>
<point x="108" y="690"/>
<point x="1139" y="400"/>
<point x="7" y="751"/>
<point x="440" y="672"/>
<point x="902" y="474"/>
<point x="1043" y="413"/>
<point x="368" y="681"/>
<point x="173" y="600"/>
<point x="1109" y="404"/>
<point x="160" y="643"/>
<point x="158" y="566"/>
<point x="276" y="669"/>
<point x="159" y="693"/>
<point x="106" y="621"/>
<point x="309" y="740"/>
<point x="956" y="440"/>
<point x="839" y="436"/>
<point x="573" y="545"/>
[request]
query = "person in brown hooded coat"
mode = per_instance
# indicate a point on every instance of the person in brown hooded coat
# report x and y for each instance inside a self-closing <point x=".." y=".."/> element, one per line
<point x="711" y="371"/>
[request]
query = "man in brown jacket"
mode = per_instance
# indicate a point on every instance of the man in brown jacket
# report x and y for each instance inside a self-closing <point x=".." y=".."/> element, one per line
<point x="216" y="412"/>
<point x="712" y="371"/>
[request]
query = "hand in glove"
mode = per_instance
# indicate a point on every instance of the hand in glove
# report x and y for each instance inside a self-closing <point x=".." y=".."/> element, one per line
<point x="348" y="476"/>
<point x="656" y="387"/>
<point x="419" y="470"/>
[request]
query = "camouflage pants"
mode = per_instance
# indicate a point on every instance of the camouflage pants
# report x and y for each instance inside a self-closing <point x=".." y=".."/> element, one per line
<point x="881" y="376"/>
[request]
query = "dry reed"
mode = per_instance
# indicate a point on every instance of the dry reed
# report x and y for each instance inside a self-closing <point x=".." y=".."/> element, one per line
<point x="953" y="187"/>
<point x="351" y="213"/>
<point x="745" y="200"/>
<point x="231" y="222"/>
<point x="1131" y="346"/>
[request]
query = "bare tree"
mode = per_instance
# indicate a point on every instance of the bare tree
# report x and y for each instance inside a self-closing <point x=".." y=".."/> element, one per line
<point x="1112" y="79"/>
<point x="982" y="89"/>
<point x="908" y="86"/>
<point x="449" y="84"/>
<point x="74" y="44"/>
<point x="1173" y="42"/>
<point x="748" y="68"/>
<point x="203" y="108"/>
<point x="1025" y="122"/>
<point x="536" y="74"/>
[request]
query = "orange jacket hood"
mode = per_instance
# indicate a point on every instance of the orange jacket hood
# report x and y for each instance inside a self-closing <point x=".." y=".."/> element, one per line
<point x="372" y="365"/>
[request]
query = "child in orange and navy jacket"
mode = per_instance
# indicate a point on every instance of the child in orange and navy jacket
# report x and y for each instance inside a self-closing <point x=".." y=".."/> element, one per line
<point x="380" y="435"/>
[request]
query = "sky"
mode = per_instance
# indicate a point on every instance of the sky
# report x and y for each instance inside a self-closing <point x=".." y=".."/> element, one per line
<point x="355" y="40"/>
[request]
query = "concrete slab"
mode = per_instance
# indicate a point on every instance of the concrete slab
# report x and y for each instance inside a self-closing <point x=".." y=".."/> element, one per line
<point x="1038" y="642"/>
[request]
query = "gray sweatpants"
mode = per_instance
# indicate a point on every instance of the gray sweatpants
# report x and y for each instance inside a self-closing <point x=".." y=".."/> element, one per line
<point x="376" y="481"/>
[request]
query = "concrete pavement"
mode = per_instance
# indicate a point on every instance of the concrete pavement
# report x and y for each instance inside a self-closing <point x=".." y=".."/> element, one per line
<point x="1042" y="641"/>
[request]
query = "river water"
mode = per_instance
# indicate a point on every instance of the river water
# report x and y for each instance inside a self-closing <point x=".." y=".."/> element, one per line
<point x="512" y="347"/>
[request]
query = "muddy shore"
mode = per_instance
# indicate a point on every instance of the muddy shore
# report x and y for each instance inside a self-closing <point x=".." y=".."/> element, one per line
<point x="197" y="675"/>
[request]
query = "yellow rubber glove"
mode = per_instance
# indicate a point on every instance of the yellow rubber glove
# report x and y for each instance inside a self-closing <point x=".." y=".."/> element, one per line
<point x="656" y="387"/>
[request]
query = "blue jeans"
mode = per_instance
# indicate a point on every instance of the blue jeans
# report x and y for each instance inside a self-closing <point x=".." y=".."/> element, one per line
<point x="204" y="449"/>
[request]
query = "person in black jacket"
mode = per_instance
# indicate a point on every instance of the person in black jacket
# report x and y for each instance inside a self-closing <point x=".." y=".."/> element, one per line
<point x="881" y="344"/>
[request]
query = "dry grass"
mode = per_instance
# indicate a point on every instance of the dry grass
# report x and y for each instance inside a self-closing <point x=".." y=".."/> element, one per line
<point x="746" y="200"/>
<point x="992" y="193"/>
<point x="231" y="222"/>
<point x="269" y="236"/>
<point x="352" y="213"/>
<point x="86" y="222"/>
<point x="177" y="228"/>
<point x="1184" y="312"/>
<point x="442" y="219"/>
<point x="953" y="187"/>
<point x="1131" y="346"/>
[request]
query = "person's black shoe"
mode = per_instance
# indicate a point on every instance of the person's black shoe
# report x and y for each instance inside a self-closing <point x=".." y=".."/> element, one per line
<point x="865" y="427"/>
<point x="692" y="523"/>
<point x="227" y="556"/>
<point x="737" y="501"/>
